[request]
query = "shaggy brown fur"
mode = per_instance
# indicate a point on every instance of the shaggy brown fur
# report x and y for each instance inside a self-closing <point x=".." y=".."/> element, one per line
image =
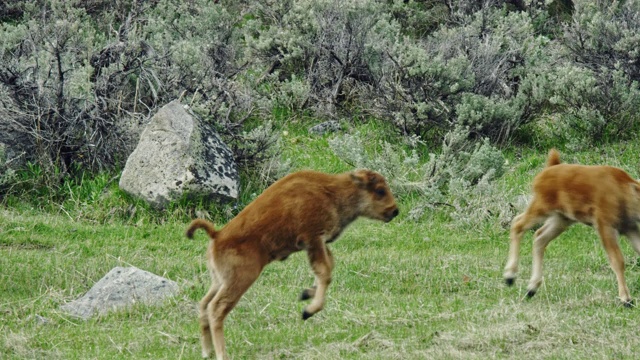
<point x="604" y="197"/>
<point x="302" y="211"/>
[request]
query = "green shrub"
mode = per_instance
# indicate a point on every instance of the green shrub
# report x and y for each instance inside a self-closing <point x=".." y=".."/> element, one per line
<point x="419" y="18"/>
<point x="7" y="174"/>
<point x="81" y="77"/>
<point x="315" y="53"/>
<point x="469" y="74"/>
<point x="459" y="176"/>
<point x="598" y="92"/>
<point x="84" y="77"/>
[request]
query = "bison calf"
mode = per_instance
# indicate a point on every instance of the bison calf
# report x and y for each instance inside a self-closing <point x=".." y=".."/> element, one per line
<point x="302" y="211"/>
<point x="604" y="197"/>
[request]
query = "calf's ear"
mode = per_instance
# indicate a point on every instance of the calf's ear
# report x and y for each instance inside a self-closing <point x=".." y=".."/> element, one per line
<point x="364" y="178"/>
<point x="359" y="178"/>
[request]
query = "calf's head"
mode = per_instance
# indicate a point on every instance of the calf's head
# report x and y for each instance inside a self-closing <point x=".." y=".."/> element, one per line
<point x="378" y="202"/>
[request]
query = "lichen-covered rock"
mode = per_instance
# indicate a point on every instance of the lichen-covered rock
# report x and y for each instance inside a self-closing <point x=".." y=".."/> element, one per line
<point x="177" y="154"/>
<point x="119" y="288"/>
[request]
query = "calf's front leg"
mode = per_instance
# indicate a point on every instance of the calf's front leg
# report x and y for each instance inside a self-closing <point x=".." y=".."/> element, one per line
<point x="308" y="293"/>
<point x="321" y="261"/>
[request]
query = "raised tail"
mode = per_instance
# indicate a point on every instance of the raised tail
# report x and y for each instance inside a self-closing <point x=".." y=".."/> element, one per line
<point x="553" y="158"/>
<point x="201" y="224"/>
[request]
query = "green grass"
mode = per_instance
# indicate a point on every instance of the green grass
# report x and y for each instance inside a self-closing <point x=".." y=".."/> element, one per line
<point x="400" y="290"/>
<point x="426" y="289"/>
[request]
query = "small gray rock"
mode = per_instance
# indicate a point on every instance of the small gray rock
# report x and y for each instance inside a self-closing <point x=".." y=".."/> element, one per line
<point x="325" y="127"/>
<point x="121" y="287"/>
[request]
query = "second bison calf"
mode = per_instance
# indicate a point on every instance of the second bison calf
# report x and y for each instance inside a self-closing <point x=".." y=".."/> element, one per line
<point x="604" y="197"/>
<point x="302" y="211"/>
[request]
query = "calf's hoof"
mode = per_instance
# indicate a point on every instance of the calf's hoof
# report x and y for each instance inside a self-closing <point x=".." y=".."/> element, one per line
<point x="629" y="304"/>
<point x="306" y="315"/>
<point x="530" y="293"/>
<point x="509" y="281"/>
<point x="307" y="294"/>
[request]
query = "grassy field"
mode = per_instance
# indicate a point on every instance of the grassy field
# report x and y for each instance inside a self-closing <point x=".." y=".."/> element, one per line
<point x="411" y="289"/>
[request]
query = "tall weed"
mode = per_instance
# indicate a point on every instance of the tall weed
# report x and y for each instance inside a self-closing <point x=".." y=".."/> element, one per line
<point x="461" y="176"/>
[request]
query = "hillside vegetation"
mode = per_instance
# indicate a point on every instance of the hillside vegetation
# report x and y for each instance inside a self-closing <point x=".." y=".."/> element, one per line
<point x="79" y="78"/>
<point x="456" y="102"/>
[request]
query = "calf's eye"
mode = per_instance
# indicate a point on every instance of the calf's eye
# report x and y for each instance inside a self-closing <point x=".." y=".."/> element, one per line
<point x="381" y="192"/>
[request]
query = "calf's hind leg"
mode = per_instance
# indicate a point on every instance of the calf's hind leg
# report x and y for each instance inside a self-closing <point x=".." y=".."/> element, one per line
<point x="609" y="238"/>
<point x="205" y="329"/>
<point x="228" y="295"/>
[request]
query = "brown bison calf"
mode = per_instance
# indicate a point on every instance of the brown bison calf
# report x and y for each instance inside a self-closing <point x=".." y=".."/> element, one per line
<point x="604" y="197"/>
<point x="302" y="211"/>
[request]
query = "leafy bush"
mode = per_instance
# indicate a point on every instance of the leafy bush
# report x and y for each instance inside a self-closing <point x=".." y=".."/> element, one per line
<point x="7" y="174"/>
<point x="420" y="18"/>
<point x="319" y="49"/>
<point x="604" y="35"/>
<point x="79" y="78"/>
<point x="469" y="74"/>
<point x="82" y="77"/>
<point x="459" y="176"/>
<point x="78" y="109"/>
<point x="358" y="151"/>
<point x="600" y="97"/>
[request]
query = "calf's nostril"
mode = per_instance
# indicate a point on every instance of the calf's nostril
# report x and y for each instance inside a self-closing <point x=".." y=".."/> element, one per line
<point x="395" y="212"/>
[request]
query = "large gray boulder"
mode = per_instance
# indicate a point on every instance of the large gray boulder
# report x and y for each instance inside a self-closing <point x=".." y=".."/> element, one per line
<point x="121" y="287"/>
<point x="177" y="154"/>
